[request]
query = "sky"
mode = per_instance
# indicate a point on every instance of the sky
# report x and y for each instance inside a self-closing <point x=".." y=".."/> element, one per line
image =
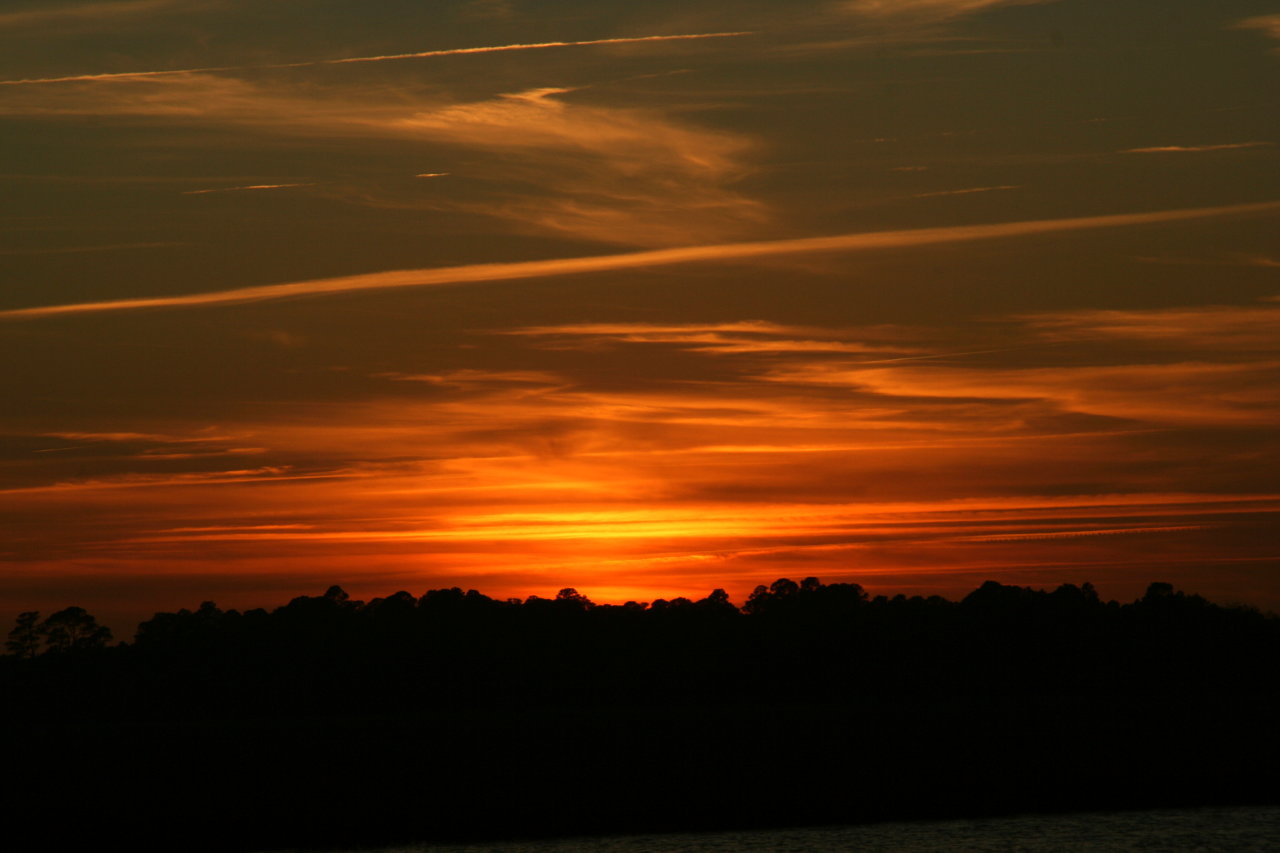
<point x="644" y="299"/>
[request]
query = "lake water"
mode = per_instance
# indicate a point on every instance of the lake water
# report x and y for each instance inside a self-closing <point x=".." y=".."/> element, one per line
<point x="1218" y="830"/>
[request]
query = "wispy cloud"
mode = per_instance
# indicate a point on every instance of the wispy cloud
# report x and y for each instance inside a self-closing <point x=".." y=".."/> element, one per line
<point x="1192" y="149"/>
<point x="775" y="522"/>
<point x="138" y="436"/>
<point x="266" y="474"/>
<point x="1211" y="366"/>
<point x="927" y="9"/>
<point x="474" y="378"/>
<point x="1070" y="534"/>
<point x="479" y="273"/>
<point x="1184" y="393"/>
<point x="722" y="338"/>
<point x="762" y="327"/>
<point x="249" y="187"/>
<point x="613" y="174"/>
<point x="425" y="54"/>
<point x="627" y="176"/>
<point x="1268" y="25"/>
<point x="205" y="444"/>
<point x="910" y="27"/>
<point x="969" y="190"/>
<point x="1224" y="329"/>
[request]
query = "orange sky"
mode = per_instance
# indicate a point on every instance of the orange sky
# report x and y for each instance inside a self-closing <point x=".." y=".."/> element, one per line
<point x="640" y="300"/>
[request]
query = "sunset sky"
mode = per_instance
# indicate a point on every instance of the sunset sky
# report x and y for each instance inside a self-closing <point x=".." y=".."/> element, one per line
<point x="639" y="298"/>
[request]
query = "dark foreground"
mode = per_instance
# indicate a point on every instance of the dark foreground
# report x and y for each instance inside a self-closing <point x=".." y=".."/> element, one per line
<point x="1223" y="829"/>
<point x="352" y="782"/>
<point x="329" y="727"/>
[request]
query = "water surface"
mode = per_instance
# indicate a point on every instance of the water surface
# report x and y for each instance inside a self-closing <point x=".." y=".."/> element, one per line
<point x="1217" y="830"/>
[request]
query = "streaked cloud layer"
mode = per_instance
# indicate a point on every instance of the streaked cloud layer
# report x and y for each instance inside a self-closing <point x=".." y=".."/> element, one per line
<point x="911" y="294"/>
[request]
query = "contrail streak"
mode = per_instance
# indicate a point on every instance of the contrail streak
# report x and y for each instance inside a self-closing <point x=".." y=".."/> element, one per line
<point x="475" y="273"/>
<point x="250" y="187"/>
<point x="1191" y="149"/>
<point x="457" y="51"/>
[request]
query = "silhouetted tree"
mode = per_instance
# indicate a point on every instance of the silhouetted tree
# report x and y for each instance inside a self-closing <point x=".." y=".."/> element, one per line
<point x="786" y="588"/>
<point x="718" y="604"/>
<point x="570" y="599"/>
<point x="783" y="596"/>
<point x="24" y="639"/>
<point x="74" y="629"/>
<point x="397" y="605"/>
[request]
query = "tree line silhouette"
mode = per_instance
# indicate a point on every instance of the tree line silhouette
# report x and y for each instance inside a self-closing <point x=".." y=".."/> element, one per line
<point x="71" y="629"/>
<point x="805" y="641"/>
<point x="452" y="715"/>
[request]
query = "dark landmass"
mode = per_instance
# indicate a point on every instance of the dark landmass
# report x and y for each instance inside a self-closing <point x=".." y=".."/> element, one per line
<point x="332" y="722"/>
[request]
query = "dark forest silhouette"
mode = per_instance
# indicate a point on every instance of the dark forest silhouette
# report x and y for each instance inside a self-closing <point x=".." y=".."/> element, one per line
<point x="455" y="715"/>
<point x="804" y="641"/>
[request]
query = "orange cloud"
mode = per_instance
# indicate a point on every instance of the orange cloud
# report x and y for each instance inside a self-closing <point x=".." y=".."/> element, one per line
<point x="969" y="191"/>
<point x="1222" y="328"/>
<point x="1192" y="149"/>
<point x="724" y="338"/>
<point x="250" y="187"/>
<point x="927" y="9"/>
<point x="618" y="175"/>
<point x="459" y="51"/>
<point x="473" y="376"/>
<point x="1268" y="25"/>
<point x="1182" y="393"/>
<point x="1022" y="463"/>
<point x="618" y="513"/>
